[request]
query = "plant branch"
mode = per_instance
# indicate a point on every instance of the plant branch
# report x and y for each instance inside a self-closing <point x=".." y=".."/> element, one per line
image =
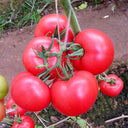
<point x="117" y="118"/>
<point x="40" y="120"/>
<point x="8" y="121"/>
<point x="66" y="6"/>
<point x="59" y="122"/>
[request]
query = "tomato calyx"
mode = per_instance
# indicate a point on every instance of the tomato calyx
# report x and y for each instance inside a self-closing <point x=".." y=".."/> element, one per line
<point x="55" y="34"/>
<point x="112" y="81"/>
<point x="18" y="120"/>
<point x="45" y="54"/>
<point x="76" y="53"/>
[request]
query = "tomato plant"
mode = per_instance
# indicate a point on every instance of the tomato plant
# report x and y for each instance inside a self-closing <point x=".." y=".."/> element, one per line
<point x="98" y="51"/>
<point x="47" y="26"/>
<point x="29" y="92"/>
<point x="31" y="60"/>
<point x="10" y="104"/>
<point x="3" y="87"/>
<point x="26" y="122"/>
<point x="2" y="111"/>
<point x="75" y="96"/>
<point x="112" y="87"/>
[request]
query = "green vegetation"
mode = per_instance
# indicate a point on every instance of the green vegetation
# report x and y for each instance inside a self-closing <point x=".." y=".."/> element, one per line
<point x="19" y="13"/>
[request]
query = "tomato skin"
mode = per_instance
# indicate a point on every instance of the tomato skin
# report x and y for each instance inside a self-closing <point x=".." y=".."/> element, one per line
<point x="9" y="104"/>
<point x="98" y="51"/>
<point x="27" y="122"/>
<point x="75" y="96"/>
<point x="48" y="24"/>
<point x="2" y="111"/>
<point x="4" y="88"/>
<point x="2" y="100"/>
<point x="29" y="92"/>
<point x="31" y="60"/>
<point x="111" y="90"/>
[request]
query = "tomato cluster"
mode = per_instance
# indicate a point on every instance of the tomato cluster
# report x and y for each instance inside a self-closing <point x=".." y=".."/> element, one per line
<point x="71" y="63"/>
<point x="72" y="92"/>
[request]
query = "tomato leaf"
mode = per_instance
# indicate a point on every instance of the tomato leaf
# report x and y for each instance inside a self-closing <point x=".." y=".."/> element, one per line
<point x="55" y="32"/>
<point x="81" y="122"/>
<point x="38" y="126"/>
<point x="52" y="126"/>
<point x="62" y="34"/>
<point x="74" y="118"/>
<point x="50" y="47"/>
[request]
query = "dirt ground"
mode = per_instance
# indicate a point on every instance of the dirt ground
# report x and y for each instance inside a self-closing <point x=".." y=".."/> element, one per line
<point x="113" y="23"/>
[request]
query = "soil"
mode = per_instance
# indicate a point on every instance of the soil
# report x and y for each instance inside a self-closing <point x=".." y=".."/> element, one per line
<point x="113" y="23"/>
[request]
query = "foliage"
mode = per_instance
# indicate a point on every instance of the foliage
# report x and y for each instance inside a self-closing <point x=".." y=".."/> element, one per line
<point x="20" y="13"/>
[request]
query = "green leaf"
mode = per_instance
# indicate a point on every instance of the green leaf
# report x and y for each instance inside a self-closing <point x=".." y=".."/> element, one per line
<point x="43" y="49"/>
<point x="55" y="32"/>
<point x="41" y="66"/>
<point x="74" y="118"/>
<point x="81" y="122"/>
<point x="38" y="126"/>
<point x="47" y="34"/>
<point x="62" y="34"/>
<point x="83" y="6"/>
<point x="52" y="126"/>
<point x="70" y="120"/>
<point x="44" y="80"/>
<point x="50" y="47"/>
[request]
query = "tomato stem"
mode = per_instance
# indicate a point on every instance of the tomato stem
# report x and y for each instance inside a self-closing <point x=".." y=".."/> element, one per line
<point x="66" y="72"/>
<point x="112" y="81"/>
<point x="8" y="121"/>
<point x="66" y="6"/>
<point x="18" y="120"/>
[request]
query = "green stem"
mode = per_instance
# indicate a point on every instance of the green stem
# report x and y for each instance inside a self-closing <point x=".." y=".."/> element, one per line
<point x="66" y="6"/>
<point x="8" y="121"/>
<point x="111" y="80"/>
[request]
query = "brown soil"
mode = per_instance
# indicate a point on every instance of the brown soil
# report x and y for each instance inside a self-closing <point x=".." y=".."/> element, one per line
<point x="12" y="44"/>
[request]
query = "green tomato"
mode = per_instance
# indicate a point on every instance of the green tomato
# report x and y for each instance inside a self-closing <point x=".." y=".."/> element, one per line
<point x="3" y="87"/>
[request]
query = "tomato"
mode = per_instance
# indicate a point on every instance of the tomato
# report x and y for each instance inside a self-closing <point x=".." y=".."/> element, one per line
<point x="75" y="96"/>
<point x="31" y="60"/>
<point x="3" y="87"/>
<point x="110" y="89"/>
<point x="48" y="23"/>
<point x="29" y="92"/>
<point x="27" y="122"/>
<point x="2" y="111"/>
<point x="9" y="105"/>
<point x="98" y="51"/>
<point x="2" y="100"/>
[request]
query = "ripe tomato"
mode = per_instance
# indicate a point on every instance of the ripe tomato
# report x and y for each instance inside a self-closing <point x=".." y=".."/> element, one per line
<point x="2" y="100"/>
<point x="27" y="122"/>
<point x="109" y="89"/>
<point x="29" y="92"/>
<point x="31" y="60"/>
<point x="48" y="23"/>
<point x="2" y="111"/>
<point x="75" y="96"/>
<point x="3" y="87"/>
<point x="98" y="51"/>
<point x="9" y="105"/>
